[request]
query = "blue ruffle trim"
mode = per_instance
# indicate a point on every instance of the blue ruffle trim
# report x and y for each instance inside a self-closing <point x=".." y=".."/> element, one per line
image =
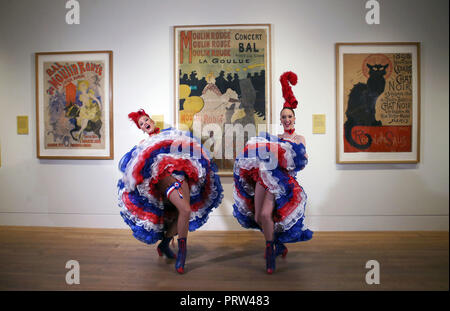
<point x="300" y="159"/>
<point x="200" y="221"/>
<point x="143" y="203"/>
<point x="149" y="237"/>
<point x="244" y="221"/>
<point x="125" y="159"/>
<point x="295" y="234"/>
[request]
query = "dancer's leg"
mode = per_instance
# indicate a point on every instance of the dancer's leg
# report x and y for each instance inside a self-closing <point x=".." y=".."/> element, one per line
<point x="266" y="216"/>
<point x="182" y="249"/>
<point x="182" y="204"/>
<point x="184" y="212"/>
<point x="264" y="204"/>
<point x="260" y="193"/>
<point x="170" y="230"/>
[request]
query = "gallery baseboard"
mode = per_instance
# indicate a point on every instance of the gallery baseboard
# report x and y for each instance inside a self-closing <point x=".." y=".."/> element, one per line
<point x="228" y="222"/>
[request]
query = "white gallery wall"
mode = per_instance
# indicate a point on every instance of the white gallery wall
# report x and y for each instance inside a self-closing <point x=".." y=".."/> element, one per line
<point x="82" y="193"/>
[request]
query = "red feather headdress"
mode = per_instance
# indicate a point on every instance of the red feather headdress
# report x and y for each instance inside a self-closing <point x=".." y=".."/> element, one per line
<point x="285" y="79"/>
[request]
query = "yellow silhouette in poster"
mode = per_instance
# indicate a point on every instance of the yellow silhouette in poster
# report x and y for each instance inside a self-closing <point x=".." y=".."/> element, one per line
<point x="90" y="109"/>
<point x="191" y="105"/>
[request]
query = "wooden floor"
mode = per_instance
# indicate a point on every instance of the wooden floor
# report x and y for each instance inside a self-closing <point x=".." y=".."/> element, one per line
<point x="34" y="258"/>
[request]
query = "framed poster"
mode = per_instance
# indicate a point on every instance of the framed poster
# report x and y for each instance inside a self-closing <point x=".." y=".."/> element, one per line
<point x="223" y="86"/>
<point x="74" y="112"/>
<point x="378" y="102"/>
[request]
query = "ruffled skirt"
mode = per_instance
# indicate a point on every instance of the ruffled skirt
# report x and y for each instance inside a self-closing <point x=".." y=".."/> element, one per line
<point x="274" y="163"/>
<point x="171" y="152"/>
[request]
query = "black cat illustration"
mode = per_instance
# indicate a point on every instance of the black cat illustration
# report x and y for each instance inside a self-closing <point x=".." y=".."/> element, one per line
<point x="361" y="104"/>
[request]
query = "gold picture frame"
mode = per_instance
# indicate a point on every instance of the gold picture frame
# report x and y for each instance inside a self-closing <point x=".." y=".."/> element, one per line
<point x="74" y="105"/>
<point x="377" y="102"/>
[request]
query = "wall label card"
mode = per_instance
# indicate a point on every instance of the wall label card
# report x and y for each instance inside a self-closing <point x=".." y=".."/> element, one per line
<point x="319" y="124"/>
<point x="22" y="125"/>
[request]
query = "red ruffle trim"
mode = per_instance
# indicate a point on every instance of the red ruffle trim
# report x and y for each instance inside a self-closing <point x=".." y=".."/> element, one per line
<point x="166" y="168"/>
<point x="137" y="211"/>
<point x="250" y="203"/>
<point x="204" y="195"/>
<point x="147" y="152"/>
<point x="252" y="177"/>
<point x="293" y="203"/>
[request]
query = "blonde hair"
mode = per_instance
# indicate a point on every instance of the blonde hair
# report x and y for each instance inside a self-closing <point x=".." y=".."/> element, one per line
<point x="80" y="82"/>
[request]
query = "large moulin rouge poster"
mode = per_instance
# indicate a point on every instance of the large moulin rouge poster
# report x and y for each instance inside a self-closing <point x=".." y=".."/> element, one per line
<point x="222" y="85"/>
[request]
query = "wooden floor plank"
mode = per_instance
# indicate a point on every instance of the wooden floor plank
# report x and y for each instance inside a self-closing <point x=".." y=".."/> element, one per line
<point x="34" y="258"/>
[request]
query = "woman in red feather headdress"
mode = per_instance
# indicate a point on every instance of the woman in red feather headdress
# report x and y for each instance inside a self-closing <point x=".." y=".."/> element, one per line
<point x="170" y="168"/>
<point x="266" y="193"/>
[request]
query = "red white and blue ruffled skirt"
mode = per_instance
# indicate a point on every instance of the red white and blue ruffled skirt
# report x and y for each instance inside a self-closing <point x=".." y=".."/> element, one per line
<point x="171" y="152"/>
<point x="274" y="163"/>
